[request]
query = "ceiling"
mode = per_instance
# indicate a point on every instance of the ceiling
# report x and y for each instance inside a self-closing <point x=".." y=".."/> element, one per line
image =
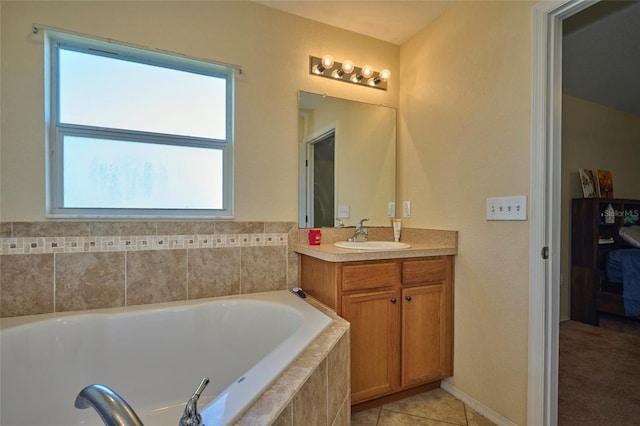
<point x="394" y="21"/>
<point x="601" y="55"/>
<point x="601" y="47"/>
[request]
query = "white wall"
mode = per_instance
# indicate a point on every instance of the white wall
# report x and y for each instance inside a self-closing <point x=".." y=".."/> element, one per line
<point x="465" y="136"/>
<point x="273" y="48"/>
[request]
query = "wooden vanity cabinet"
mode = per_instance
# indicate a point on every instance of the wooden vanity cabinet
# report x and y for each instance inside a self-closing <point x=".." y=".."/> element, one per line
<point x="375" y="345"/>
<point x="401" y="315"/>
<point x="427" y="321"/>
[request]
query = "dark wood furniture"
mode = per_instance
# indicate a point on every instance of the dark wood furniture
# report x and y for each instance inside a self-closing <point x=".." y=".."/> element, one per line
<point x="591" y="240"/>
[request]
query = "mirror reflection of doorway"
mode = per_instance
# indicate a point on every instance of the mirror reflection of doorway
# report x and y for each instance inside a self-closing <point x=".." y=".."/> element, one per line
<point x="323" y="168"/>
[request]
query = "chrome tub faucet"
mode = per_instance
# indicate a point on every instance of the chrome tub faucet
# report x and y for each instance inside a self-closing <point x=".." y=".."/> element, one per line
<point x="113" y="410"/>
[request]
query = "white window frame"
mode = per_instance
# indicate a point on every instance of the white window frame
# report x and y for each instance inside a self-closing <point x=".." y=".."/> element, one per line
<point x="57" y="131"/>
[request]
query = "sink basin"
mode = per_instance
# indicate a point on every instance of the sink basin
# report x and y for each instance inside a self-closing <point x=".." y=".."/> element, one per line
<point x="372" y="245"/>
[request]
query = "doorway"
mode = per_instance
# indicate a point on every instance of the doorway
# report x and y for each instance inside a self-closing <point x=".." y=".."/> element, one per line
<point x="322" y="168"/>
<point x="545" y="228"/>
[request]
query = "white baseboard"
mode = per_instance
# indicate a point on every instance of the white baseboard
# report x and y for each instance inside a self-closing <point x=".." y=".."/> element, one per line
<point x="495" y="417"/>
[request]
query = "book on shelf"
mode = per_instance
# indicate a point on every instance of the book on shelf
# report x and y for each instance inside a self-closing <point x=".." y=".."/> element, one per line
<point x="605" y="240"/>
<point x="605" y="183"/>
<point x="589" y="183"/>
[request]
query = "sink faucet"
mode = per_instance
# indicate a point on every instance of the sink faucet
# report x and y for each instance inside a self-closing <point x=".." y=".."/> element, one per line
<point x="360" y="234"/>
<point x="113" y="410"/>
<point x="191" y="417"/>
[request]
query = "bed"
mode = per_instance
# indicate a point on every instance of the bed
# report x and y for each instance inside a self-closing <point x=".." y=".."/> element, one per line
<point x="622" y="275"/>
<point x="605" y="258"/>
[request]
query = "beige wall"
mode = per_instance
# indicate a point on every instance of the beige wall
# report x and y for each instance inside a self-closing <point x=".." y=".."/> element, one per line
<point x="272" y="47"/>
<point x="464" y="128"/>
<point x="594" y="137"/>
<point x="464" y="136"/>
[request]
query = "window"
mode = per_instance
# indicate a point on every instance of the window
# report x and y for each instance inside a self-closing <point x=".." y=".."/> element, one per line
<point x="137" y="133"/>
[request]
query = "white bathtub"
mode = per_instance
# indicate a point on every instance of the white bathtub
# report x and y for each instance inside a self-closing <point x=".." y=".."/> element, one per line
<point x="153" y="356"/>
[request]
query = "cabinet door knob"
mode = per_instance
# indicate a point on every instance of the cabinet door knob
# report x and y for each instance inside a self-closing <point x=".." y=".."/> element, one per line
<point x="408" y="298"/>
<point x="393" y="300"/>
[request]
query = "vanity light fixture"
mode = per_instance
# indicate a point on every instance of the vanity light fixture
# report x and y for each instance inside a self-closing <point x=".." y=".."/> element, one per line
<point x="348" y="72"/>
<point x="383" y="76"/>
<point x="322" y="65"/>
<point x="346" y="68"/>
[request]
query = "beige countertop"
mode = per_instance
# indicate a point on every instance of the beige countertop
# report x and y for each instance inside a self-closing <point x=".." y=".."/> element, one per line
<point x="424" y="242"/>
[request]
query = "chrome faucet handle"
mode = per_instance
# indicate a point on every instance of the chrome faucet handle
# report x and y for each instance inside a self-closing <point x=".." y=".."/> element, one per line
<point x="191" y="417"/>
<point x="361" y="224"/>
<point x="203" y="384"/>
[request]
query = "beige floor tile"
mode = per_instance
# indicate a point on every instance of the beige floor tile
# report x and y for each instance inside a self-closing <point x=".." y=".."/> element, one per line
<point x="366" y="418"/>
<point x="476" y="419"/>
<point x="390" y="418"/>
<point x="435" y="405"/>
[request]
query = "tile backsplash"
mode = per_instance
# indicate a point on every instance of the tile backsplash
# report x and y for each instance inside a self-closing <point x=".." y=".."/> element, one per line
<point x="63" y="266"/>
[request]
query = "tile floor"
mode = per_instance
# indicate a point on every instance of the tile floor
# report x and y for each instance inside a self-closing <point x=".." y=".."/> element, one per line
<point x="432" y="408"/>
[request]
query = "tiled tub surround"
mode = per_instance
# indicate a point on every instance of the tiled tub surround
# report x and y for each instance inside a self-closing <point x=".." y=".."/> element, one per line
<point x="66" y="266"/>
<point x="313" y="390"/>
<point x="314" y="387"/>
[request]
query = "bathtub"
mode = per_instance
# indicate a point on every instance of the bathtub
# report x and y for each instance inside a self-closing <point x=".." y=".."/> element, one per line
<point x="153" y="356"/>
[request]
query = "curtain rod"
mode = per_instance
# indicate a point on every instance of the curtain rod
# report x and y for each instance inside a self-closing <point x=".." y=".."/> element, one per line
<point x="37" y="27"/>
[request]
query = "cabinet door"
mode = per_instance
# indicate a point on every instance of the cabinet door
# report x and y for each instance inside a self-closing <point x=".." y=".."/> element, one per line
<point x="427" y="329"/>
<point x="374" y="319"/>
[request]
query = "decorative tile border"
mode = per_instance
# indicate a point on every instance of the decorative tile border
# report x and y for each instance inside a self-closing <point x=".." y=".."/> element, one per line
<point x="43" y="245"/>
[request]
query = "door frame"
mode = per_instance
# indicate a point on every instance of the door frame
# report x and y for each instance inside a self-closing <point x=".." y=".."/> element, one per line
<point x="545" y="192"/>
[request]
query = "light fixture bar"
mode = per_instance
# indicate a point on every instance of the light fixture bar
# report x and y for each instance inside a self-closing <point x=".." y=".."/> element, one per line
<point x="348" y="73"/>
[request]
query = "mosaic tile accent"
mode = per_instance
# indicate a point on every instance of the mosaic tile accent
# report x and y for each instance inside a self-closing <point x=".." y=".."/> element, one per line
<point x="45" y="245"/>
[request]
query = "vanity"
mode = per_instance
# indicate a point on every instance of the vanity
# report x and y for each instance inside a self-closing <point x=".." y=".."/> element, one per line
<point x="399" y="301"/>
<point x="400" y="306"/>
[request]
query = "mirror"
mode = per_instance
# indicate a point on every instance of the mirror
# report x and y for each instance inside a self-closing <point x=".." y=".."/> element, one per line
<point x="347" y="161"/>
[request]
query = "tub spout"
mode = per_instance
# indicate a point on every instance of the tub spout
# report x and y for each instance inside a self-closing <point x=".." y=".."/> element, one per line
<point x="113" y="410"/>
<point x="191" y="417"/>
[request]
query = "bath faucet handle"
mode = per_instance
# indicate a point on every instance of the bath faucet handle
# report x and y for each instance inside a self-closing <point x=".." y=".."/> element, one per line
<point x="191" y="417"/>
<point x="203" y="384"/>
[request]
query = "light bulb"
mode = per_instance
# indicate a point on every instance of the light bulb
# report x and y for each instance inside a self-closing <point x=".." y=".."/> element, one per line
<point x="337" y="73"/>
<point x="347" y="67"/>
<point x="385" y="74"/>
<point x="373" y="81"/>
<point x="327" y="61"/>
<point x="367" y="71"/>
<point x="356" y="78"/>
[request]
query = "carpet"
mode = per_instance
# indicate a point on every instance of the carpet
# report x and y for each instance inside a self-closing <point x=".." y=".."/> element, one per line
<point x="599" y="373"/>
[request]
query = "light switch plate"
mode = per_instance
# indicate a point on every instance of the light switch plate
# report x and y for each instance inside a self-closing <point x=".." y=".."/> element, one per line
<point x="392" y="209"/>
<point x="343" y="212"/>
<point x="406" y="209"/>
<point x="507" y="208"/>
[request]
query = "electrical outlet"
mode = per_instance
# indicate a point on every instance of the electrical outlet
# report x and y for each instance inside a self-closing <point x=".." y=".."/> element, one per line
<point x="392" y="209"/>
<point x="507" y="208"/>
<point x="406" y="209"/>
<point x="343" y="212"/>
